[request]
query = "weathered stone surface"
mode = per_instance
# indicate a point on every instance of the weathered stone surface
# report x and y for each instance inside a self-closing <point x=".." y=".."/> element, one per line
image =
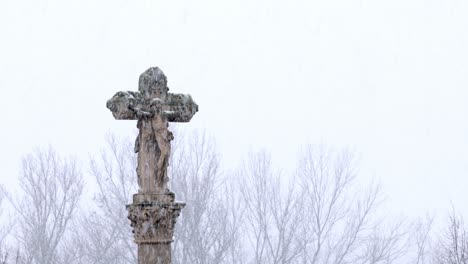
<point x="151" y="197"/>
<point x="154" y="212"/>
<point x="154" y="253"/>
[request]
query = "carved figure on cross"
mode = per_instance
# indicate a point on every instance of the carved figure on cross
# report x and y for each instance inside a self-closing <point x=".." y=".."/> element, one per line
<point x="153" y="107"/>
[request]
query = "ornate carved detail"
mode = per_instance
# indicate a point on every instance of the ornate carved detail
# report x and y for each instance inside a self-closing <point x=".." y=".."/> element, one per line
<point x="154" y="222"/>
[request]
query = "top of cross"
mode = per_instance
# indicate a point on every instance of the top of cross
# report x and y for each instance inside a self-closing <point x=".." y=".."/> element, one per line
<point x="152" y="91"/>
<point x="153" y="83"/>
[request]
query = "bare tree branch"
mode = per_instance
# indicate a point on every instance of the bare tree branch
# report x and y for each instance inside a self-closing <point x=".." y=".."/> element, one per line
<point x="341" y="228"/>
<point x="273" y="211"/>
<point x="453" y="247"/>
<point x="52" y="187"/>
<point x="421" y="240"/>
<point x="104" y="233"/>
<point x="208" y="228"/>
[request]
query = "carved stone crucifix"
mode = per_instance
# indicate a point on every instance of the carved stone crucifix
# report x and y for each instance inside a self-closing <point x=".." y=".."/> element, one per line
<point x="154" y="211"/>
<point x="153" y="107"/>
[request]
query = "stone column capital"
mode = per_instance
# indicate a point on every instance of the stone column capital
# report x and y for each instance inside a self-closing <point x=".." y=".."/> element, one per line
<point x="153" y="222"/>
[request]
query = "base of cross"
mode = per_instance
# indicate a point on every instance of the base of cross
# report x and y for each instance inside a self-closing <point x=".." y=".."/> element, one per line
<point x="153" y="218"/>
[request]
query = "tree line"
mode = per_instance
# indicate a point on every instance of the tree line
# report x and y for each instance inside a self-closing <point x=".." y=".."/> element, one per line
<point x="320" y="214"/>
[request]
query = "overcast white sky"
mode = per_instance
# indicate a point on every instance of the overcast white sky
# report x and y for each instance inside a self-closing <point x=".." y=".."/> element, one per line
<point x="387" y="78"/>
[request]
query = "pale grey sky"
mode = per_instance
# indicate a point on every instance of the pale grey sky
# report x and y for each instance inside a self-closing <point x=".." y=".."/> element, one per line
<point x="387" y="78"/>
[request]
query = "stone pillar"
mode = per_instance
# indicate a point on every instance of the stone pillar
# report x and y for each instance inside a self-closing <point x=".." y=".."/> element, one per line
<point x="153" y="218"/>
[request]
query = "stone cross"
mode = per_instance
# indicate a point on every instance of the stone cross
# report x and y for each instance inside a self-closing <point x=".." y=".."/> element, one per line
<point x="153" y="107"/>
<point x="154" y="212"/>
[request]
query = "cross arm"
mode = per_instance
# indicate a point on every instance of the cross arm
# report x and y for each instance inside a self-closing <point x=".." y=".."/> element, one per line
<point x="125" y="105"/>
<point x="179" y="108"/>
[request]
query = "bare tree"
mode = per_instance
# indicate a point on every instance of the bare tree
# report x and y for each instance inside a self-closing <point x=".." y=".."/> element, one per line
<point x="4" y="229"/>
<point x="318" y="216"/>
<point x="8" y="255"/>
<point x="208" y="228"/>
<point x="52" y="187"/>
<point x="453" y="246"/>
<point x="386" y="243"/>
<point x="421" y="240"/>
<point x="104" y="232"/>
<point x="341" y="226"/>
<point x="273" y="212"/>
